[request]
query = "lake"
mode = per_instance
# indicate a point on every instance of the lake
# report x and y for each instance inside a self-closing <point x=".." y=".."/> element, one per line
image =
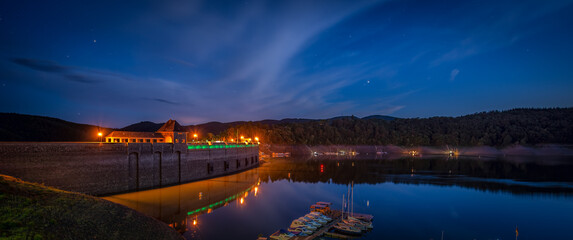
<point x="410" y="197"/>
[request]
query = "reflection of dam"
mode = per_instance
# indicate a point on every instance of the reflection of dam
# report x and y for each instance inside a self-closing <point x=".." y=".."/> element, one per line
<point x="179" y="205"/>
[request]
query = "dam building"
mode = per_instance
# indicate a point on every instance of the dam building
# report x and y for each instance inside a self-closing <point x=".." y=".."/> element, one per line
<point x="170" y="132"/>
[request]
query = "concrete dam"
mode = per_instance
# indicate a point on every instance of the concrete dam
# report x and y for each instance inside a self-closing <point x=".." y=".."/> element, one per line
<point x="108" y="168"/>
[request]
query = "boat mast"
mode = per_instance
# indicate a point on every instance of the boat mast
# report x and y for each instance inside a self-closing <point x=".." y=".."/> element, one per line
<point x="343" y="206"/>
<point x="352" y="202"/>
<point x="348" y="202"/>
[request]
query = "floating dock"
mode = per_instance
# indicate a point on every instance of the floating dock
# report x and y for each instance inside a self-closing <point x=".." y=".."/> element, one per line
<point x="336" y="218"/>
<point x="334" y="214"/>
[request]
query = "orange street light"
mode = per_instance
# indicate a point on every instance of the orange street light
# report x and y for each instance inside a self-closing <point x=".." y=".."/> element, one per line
<point x="100" y="136"/>
<point x="195" y="136"/>
<point x="257" y="139"/>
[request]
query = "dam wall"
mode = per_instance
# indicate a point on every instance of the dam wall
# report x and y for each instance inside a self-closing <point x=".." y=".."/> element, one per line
<point x="107" y="168"/>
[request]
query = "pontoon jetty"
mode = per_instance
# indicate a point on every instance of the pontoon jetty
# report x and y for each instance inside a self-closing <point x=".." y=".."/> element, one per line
<point x="324" y="221"/>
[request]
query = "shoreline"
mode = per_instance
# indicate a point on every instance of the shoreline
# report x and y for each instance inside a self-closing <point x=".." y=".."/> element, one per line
<point x="540" y="150"/>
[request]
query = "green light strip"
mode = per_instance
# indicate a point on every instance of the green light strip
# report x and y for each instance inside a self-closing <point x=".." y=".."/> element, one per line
<point x="221" y="146"/>
<point x="198" y="210"/>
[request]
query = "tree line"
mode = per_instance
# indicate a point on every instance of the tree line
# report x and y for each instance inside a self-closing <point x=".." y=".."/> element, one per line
<point x="494" y="128"/>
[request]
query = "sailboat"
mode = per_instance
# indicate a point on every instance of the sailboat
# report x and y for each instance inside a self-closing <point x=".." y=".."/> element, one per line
<point x="350" y="225"/>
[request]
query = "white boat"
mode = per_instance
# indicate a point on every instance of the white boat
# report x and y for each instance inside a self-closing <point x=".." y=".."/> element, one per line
<point x="320" y="215"/>
<point x="311" y="221"/>
<point x="299" y="223"/>
<point x="316" y="219"/>
<point x="301" y="231"/>
<point x="282" y="234"/>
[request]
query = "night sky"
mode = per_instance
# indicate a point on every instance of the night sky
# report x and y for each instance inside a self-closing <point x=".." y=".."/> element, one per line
<point x="113" y="63"/>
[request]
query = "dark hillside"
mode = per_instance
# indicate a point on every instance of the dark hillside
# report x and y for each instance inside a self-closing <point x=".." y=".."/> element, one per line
<point x="145" y="126"/>
<point x="382" y="117"/>
<point x="20" y="127"/>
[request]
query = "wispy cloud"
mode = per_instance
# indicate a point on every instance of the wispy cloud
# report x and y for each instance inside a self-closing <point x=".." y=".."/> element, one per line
<point x="70" y="73"/>
<point x="161" y="100"/>
<point x="507" y="23"/>
<point x="454" y="74"/>
<point x="41" y="65"/>
<point x="244" y="56"/>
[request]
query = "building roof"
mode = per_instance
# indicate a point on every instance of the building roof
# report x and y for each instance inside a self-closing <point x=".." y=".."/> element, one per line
<point x="171" y="126"/>
<point x="125" y="134"/>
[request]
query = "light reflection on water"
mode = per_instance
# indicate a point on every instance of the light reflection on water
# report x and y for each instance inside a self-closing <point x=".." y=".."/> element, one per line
<point x="179" y="206"/>
<point x="411" y="198"/>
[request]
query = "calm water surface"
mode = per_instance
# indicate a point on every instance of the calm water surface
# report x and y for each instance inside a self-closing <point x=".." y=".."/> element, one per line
<point x="410" y="198"/>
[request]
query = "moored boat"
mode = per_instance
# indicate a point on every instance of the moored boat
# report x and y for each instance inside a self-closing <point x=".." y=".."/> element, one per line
<point x="310" y="222"/>
<point x="360" y="222"/>
<point x="281" y="234"/>
<point x="300" y="231"/>
<point x="316" y="219"/>
<point x="345" y="229"/>
<point x="298" y="223"/>
<point x="354" y="224"/>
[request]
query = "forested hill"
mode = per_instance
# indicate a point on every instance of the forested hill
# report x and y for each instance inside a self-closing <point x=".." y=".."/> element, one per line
<point x="518" y="126"/>
<point x="499" y="129"/>
<point x="21" y="127"/>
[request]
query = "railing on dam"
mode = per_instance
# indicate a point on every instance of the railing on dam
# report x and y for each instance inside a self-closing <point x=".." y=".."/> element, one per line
<point x="220" y="146"/>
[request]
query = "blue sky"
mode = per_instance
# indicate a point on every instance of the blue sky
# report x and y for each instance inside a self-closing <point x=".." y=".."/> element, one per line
<point x="114" y="63"/>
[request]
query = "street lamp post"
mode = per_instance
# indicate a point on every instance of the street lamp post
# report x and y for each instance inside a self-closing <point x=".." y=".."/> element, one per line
<point x="100" y="136"/>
